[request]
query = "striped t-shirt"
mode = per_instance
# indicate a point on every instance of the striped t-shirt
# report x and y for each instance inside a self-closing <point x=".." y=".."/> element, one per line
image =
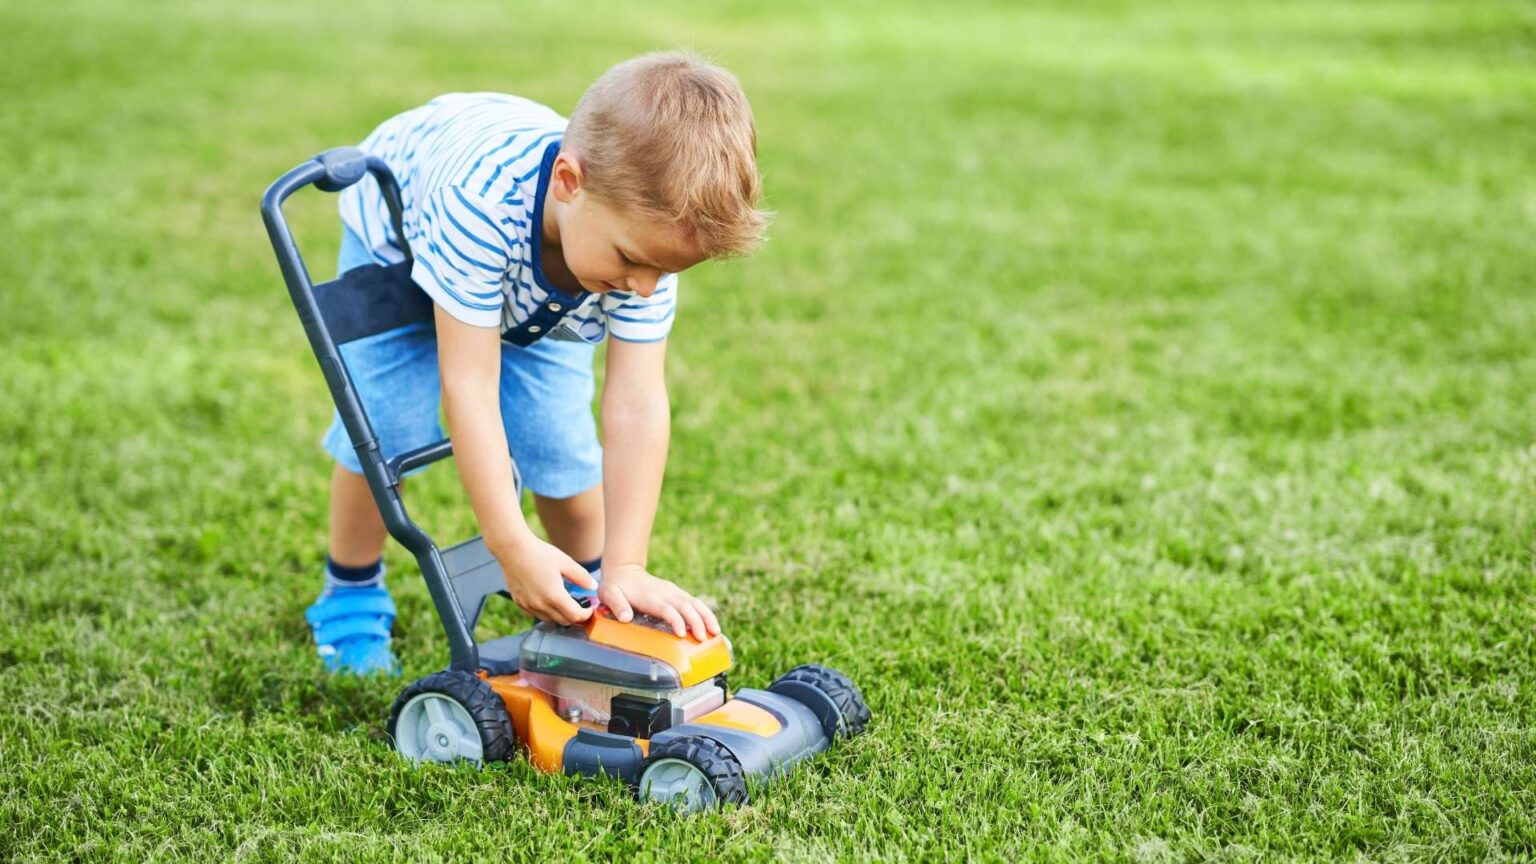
<point x="473" y="169"/>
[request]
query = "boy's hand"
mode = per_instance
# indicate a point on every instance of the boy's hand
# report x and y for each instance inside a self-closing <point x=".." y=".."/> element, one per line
<point x="627" y="589"/>
<point x="534" y="571"/>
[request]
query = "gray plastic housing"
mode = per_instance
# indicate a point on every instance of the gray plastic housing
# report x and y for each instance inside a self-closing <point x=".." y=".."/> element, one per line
<point x="800" y="735"/>
<point x="566" y="652"/>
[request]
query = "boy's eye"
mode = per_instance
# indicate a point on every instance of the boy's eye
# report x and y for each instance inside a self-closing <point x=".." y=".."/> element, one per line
<point x="626" y="259"/>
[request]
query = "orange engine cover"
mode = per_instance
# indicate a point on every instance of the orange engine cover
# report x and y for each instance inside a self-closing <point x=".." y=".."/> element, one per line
<point x="694" y="661"/>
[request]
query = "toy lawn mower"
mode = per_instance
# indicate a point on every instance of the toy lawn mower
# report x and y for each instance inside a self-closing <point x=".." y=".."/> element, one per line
<point x="630" y="700"/>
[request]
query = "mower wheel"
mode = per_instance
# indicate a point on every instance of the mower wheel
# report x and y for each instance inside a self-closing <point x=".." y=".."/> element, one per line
<point x="692" y="773"/>
<point x="829" y="694"/>
<point x="451" y="716"/>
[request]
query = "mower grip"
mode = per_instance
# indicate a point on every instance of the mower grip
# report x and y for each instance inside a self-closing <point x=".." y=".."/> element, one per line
<point x="331" y="171"/>
<point x="343" y="167"/>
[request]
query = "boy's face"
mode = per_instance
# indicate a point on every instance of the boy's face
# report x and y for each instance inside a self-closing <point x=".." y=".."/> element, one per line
<point x="605" y="249"/>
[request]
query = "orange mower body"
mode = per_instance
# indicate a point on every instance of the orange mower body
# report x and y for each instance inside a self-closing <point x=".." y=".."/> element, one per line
<point x="632" y="701"/>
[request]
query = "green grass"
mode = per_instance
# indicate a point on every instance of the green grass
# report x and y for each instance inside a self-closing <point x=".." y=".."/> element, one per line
<point x="1137" y="402"/>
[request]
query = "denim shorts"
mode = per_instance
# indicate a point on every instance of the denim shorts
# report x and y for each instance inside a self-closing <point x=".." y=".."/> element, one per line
<point x="546" y="399"/>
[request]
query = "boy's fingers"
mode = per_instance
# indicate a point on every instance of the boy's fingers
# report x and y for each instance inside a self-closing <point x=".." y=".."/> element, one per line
<point x="710" y="621"/>
<point x="559" y="608"/>
<point x="694" y="619"/>
<point x="572" y="610"/>
<point x="670" y="615"/>
<point x="577" y="574"/>
<point x="543" y="611"/>
<point x="618" y="604"/>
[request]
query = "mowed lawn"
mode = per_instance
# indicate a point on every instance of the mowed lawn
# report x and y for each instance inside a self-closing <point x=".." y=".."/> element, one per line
<point x="1137" y="400"/>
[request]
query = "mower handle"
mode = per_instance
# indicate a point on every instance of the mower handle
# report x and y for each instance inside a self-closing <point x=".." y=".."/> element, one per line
<point x="333" y="171"/>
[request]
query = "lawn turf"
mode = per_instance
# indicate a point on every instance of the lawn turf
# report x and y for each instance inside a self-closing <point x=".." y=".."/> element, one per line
<point x="1136" y="400"/>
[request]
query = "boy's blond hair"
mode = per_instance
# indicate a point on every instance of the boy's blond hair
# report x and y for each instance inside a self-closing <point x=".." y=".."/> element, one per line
<point x="671" y="135"/>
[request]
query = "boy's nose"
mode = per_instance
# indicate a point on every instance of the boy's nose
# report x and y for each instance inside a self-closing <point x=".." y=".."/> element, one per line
<point x="645" y="286"/>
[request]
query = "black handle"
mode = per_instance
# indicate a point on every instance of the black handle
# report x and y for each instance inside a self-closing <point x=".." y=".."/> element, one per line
<point x="333" y="171"/>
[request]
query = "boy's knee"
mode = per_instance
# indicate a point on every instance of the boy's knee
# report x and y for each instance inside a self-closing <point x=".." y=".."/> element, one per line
<point x="581" y="507"/>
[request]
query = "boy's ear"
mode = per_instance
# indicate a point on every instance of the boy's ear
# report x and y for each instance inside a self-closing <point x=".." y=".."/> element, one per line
<point x="565" y="177"/>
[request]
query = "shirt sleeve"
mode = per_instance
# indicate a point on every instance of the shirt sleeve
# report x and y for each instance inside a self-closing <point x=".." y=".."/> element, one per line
<point x="632" y="318"/>
<point x="461" y="256"/>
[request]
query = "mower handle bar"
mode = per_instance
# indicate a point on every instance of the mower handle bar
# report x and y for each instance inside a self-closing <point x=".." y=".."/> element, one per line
<point x="333" y="171"/>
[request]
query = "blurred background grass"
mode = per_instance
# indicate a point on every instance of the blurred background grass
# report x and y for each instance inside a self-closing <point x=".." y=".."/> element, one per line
<point x="1135" y="400"/>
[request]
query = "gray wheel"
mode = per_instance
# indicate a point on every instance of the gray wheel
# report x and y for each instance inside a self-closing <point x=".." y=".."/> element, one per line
<point x="448" y="717"/>
<point x="692" y="773"/>
<point x="675" y="782"/>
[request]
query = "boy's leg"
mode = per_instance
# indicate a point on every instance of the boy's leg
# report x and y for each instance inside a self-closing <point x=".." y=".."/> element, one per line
<point x="574" y="524"/>
<point x="357" y="532"/>
<point x="396" y="378"/>
<point x="395" y="374"/>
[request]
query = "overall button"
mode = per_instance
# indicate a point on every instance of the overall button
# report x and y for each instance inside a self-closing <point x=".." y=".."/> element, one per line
<point x="534" y="328"/>
<point x="554" y="307"/>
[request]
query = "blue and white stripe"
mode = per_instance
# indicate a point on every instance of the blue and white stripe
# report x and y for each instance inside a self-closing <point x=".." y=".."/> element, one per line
<point x="472" y="172"/>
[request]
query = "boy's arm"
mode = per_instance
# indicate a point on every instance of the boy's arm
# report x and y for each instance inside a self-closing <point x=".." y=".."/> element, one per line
<point x="469" y="360"/>
<point x="637" y="426"/>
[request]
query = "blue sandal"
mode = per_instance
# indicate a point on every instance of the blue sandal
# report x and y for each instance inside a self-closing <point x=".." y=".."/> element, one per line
<point x="351" y="627"/>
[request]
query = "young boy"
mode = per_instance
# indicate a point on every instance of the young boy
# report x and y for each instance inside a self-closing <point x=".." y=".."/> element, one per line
<point x="536" y="239"/>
